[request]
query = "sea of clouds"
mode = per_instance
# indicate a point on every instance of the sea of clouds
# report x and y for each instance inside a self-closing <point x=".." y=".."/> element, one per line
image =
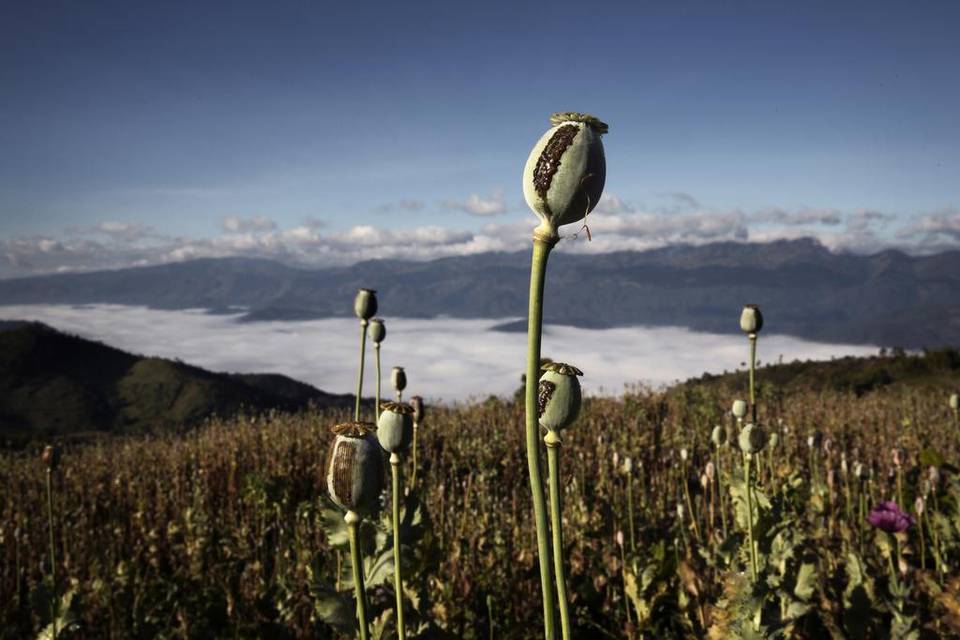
<point x="448" y="359"/>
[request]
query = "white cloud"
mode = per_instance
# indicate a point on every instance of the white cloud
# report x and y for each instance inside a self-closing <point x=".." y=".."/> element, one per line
<point x="237" y="224"/>
<point x="475" y="204"/>
<point x="615" y="225"/>
<point x="439" y="361"/>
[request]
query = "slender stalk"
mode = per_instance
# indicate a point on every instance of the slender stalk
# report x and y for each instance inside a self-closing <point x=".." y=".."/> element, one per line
<point x="489" y="616"/>
<point x="746" y="481"/>
<point x="397" y="579"/>
<point x="686" y="496"/>
<point x="363" y="349"/>
<point x="633" y="539"/>
<point x="723" y="511"/>
<point x="538" y="271"/>
<point x="923" y="548"/>
<point x="413" y="446"/>
<point x="553" y="442"/>
<point x="376" y="348"/>
<point x="353" y="520"/>
<point x="900" y="487"/>
<point x="53" y="554"/>
<point x="753" y="364"/>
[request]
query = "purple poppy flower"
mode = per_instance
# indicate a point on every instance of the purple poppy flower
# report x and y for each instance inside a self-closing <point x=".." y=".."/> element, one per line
<point x="888" y="517"/>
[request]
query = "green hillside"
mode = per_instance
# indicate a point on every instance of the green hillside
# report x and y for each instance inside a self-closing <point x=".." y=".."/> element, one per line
<point x="54" y="383"/>
<point x="930" y="369"/>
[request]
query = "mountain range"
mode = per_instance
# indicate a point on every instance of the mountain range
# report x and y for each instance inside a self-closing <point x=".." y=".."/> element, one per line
<point x="887" y="299"/>
<point x="55" y="383"/>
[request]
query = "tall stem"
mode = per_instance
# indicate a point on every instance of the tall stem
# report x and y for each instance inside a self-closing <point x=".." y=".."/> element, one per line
<point x="363" y="349"/>
<point x="397" y="579"/>
<point x="413" y="461"/>
<point x="538" y="272"/>
<point x="353" y="520"/>
<point x="753" y="364"/>
<point x="633" y="539"/>
<point x="686" y="496"/>
<point x="552" y="440"/>
<point x="376" y="348"/>
<point x="723" y="511"/>
<point x="747" y="487"/>
<point x="53" y="554"/>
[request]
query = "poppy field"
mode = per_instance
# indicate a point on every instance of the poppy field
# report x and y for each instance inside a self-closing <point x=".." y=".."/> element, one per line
<point x="228" y="532"/>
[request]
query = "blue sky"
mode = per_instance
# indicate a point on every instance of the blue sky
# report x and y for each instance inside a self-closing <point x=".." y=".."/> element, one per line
<point x="327" y="132"/>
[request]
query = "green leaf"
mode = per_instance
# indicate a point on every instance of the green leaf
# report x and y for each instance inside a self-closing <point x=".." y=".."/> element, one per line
<point x="806" y="581"/>
<point x="336" y="609"/>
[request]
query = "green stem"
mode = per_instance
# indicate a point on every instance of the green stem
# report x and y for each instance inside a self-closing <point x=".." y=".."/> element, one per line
<point x="489" y="616"/>
<point x="552" y="440"/>
<point x="363" y="349"/>
<point x="746" y="482"/>
<point x="686" y="495"/>
<point x="353" y="520"/>
<point x="723" y="511"/>
<point x="923" y="548"/>
<point x="753" y="364"/>
<point x="53" y="554"/>
<point x="413" y="461"/>
<point x="538" y="271"/>
<point x="397" y="578"/>
<point x="900" y="488"/>
<point x="633" y="539"/>
<point x="376" y="348"/>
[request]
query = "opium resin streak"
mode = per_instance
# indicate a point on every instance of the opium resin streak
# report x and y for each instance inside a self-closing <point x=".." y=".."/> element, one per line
<point x="549" y="161"/>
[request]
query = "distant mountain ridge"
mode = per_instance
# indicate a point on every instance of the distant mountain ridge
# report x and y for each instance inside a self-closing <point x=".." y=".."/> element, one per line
<point x="55" y="383"/>
<point x="889" y="298"/>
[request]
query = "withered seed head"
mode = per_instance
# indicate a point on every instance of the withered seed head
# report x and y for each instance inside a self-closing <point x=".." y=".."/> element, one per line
<point x="355" y="467"/>
<point x="417" y="403"/>
<point x="51" y="456"/>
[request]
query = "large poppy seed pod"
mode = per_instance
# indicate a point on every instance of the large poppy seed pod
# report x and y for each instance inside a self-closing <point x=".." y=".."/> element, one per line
<point x="377" y="330"/>
<point x="51" y="456"/>
<point x="558" y="396"/>
<point x="417" y="403"/>
<point x="354" y="468"/>
<point x="739" y="408"/>
<point x="395" y="426"/>
<point x="718" y="436"/>
<point x="751" y="320"/>
<point x="752" y="439"/>
<point x="564" y="175"/>
<point x="954" y="401"/>
<point x="365" y="304"/>
<point x="398" y="377"/>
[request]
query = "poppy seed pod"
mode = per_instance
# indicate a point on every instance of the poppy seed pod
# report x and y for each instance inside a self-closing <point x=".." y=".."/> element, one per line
<point x="954" y="401"/>
<point x="718" y="436"/>
<point x="51" y="456"/>
<point x="398" y="378"/>
<point x="739" y="408"/>
<point x="751" y="320"/>
<point x="395" y="427"/>
<point x="355" y="468"/>
<point x="774" y="440"/>
<point x="627" y="467"/>
<point x="565" y="172"/>
<point x="365" y="304"/>
<point x="417" y="403"/>
<point x="377" y="330"/>
<point x="752" y="439"/>
<point x="558" y="397"/>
